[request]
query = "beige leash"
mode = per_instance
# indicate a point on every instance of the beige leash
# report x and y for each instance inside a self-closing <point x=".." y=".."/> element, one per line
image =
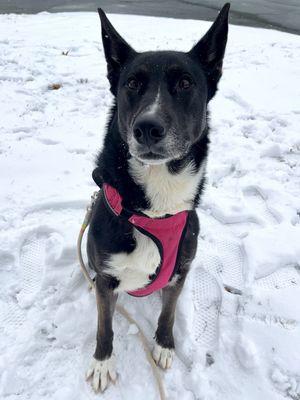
<point x="119" y="308"/>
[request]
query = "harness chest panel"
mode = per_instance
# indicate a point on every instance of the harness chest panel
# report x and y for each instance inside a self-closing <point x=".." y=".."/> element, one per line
<point x="167" y="233"/>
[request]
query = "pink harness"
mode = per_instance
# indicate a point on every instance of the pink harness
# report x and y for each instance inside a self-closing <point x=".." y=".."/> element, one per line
<point x="167" y="233"/>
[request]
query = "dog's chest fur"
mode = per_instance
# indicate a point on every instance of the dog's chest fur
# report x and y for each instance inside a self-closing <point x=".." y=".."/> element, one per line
<point x="168" y="194"/>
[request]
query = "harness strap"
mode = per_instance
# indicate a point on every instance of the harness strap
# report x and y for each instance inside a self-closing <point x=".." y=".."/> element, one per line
<point x="167" y="233"/>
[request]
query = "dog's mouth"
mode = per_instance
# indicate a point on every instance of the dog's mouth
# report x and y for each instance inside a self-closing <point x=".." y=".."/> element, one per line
<point x="149" y="154"/>
<point x="157" y="153"/>
<point x="150" y="157"/>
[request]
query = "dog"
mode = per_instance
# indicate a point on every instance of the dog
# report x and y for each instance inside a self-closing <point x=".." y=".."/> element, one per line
<point x="143" y="232"/>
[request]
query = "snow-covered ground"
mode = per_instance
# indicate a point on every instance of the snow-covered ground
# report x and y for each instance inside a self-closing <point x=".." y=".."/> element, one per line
<point x="250" y="217"/>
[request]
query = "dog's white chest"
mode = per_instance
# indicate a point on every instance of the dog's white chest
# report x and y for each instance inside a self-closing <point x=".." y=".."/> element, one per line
<point x="133" y="270"/>
<point x="168" y="193"/>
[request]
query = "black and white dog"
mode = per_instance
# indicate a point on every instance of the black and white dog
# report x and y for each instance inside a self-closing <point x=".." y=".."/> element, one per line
<point x="153" y="158"/>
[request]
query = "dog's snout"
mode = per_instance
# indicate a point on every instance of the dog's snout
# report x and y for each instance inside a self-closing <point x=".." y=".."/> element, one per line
<point x="148" y="131"/>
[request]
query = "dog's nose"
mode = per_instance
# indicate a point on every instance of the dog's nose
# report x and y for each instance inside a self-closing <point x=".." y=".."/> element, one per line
<point x="148" y="131"/>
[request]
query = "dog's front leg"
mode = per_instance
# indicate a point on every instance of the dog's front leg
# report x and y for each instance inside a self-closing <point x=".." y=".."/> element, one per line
<point x="102" y="367"/>
<point x="163" y="352"/>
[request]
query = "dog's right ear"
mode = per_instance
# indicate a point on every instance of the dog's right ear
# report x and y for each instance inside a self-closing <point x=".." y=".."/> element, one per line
<point x="116" y="50"/>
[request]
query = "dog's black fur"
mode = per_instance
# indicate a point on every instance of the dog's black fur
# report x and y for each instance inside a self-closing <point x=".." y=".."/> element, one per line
<point x="176" y="135"/>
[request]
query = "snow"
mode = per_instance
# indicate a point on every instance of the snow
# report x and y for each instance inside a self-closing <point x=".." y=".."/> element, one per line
<point x="250" y="218"/>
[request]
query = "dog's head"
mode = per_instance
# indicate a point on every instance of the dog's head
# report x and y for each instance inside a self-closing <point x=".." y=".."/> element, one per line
<point x="162" y="96"/>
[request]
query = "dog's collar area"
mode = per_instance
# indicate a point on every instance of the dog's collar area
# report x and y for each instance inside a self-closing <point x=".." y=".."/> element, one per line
<point x="167" y="233"/>
<point x="115" y="202"/>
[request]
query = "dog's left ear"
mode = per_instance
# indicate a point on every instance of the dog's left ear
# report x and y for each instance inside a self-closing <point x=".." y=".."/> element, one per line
<point x="209" y="51"/>
<point x="116" y="50"/>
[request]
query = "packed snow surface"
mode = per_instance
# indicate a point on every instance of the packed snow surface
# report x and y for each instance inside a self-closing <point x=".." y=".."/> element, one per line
<point x="53" y="106"/>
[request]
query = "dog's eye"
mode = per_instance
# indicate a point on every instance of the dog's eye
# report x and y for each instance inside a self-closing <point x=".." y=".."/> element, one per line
<point x="133" y="84"/>
<point x="185" y="83"/>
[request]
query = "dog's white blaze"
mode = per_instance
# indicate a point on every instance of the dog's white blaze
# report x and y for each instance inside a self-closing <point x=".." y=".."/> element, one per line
<point x="133" y="269"/>
<point x="153" y="108"/>
<point x="168" y="193"/>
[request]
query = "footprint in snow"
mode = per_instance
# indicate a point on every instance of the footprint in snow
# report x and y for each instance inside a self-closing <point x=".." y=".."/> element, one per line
<point x="12" y="317"/>
<point x="207" y="302"/>
<point x="222" y="264"/>
<point x="223" y="257"/>
<point x="282" y="278"/>
<point x="34" y="253"/>
<point x="257" y="200"/>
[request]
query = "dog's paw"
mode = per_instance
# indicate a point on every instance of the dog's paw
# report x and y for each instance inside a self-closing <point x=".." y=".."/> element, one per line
<point x="163" y="356"/>
<point x="101" y="372"/>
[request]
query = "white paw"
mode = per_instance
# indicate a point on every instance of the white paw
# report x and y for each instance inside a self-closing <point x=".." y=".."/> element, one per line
<point x="101" y="372"/>
<point x="163" y="356"/>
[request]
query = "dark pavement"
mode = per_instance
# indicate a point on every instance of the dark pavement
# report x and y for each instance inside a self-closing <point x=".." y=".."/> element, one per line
<point x="277" y="14"/>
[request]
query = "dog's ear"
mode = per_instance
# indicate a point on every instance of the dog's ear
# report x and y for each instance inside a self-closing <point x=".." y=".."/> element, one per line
<point x="116" y="50"/>
<point x="209" y="51"/>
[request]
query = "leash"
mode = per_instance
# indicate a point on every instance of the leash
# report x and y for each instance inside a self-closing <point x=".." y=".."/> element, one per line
<point x="119" y="308"/>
